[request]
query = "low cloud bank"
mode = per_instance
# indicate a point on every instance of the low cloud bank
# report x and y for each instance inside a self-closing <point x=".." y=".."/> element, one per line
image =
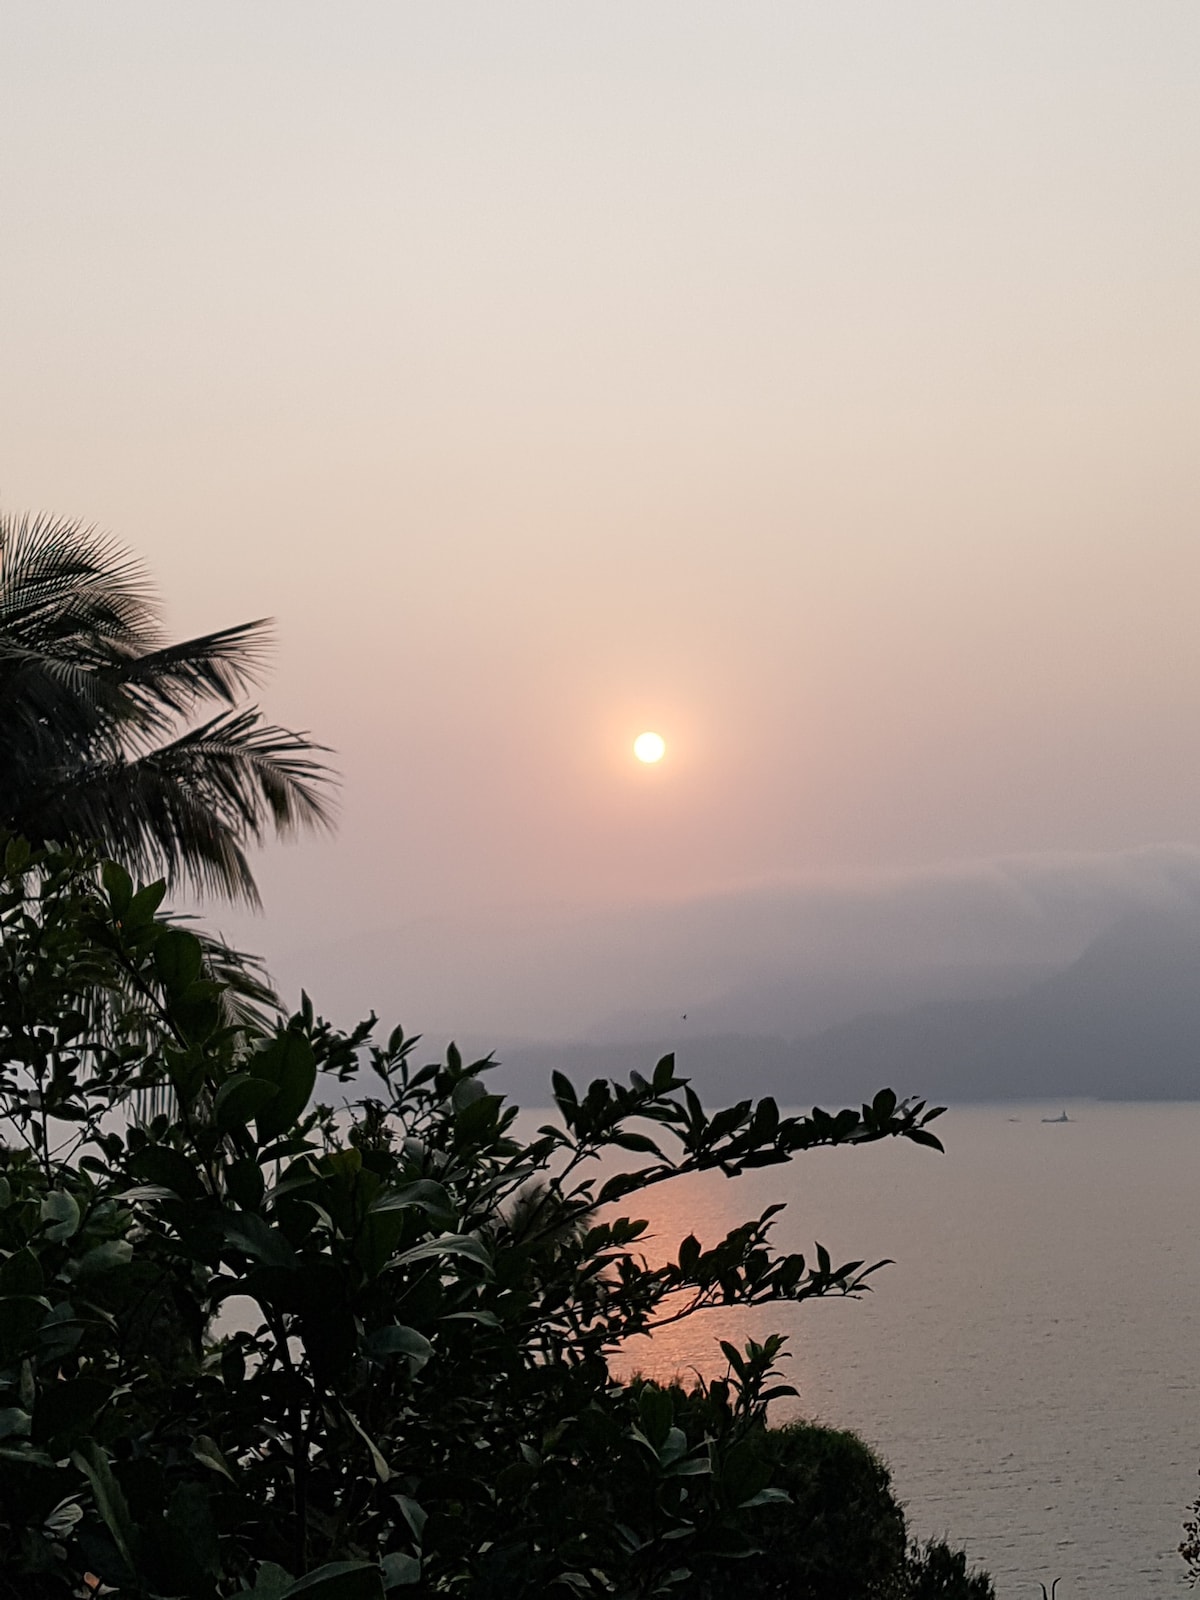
<point x="789" y="958"/>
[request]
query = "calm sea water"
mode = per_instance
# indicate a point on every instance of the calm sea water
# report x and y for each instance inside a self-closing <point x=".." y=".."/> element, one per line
<point x="1030" y="1366"/>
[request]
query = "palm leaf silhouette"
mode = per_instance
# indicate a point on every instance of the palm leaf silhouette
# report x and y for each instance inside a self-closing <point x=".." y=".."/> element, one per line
<point x="92" y="698"/>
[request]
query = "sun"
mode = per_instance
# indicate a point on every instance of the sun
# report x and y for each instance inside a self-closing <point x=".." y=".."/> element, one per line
<point x="649" y="747"/>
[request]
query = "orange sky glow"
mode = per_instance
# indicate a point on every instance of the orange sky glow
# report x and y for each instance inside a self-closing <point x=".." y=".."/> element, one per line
<point x="815" y="385"/>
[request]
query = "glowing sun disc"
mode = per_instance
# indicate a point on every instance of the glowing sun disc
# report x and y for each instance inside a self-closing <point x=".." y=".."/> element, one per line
<point x="649" y="747"/>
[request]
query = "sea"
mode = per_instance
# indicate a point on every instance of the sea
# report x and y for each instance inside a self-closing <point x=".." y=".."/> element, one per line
<point x="1029" y="1365"/>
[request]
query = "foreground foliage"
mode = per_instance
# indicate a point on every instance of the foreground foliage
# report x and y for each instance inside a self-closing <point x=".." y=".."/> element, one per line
<point x="248" y="1345"/>
<point x="837" y="1531"/>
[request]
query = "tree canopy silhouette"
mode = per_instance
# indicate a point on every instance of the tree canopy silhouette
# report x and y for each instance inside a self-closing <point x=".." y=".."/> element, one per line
<point x="103" y="740"/>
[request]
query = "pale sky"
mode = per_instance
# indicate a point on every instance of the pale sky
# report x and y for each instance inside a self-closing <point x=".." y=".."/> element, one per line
<point x="815" y="384"/>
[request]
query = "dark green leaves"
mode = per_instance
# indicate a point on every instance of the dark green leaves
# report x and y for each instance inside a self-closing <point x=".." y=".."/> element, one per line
<point x="251" y="1236"/>
<point x="424" y="1195"/>
<point x="109" y="1498"/>
<point x="656" y="1411"/>
<point x="884" y="1105"/>
<point x="66" y="1410"/>
<point x="15" y="1423"/>
<point x="141" y="908"/>
<point x="339" y="1580"/>
<point x="60" y="1213"/>
<point x="21" y="1315"/>
<point x="446" y="1244"/>
<point x="288" y="1064"/>
<point x="396" y="1340"/>
<point x="245" y="1183"/>
<point x="208" y="1452"/>
<point x="118" y="886"/>
<point x="104" y="1257"/>
<point x="22" y="1274"/>
<point x="285" y="1350"/>
<point x="164" y="1165"/>
<point x="241" y="1098"/>
<point x="178" y="961"/>
<point x="923" y="1136"/>
<point x="399" y="1570"/>
<point x="744" y="1472"/>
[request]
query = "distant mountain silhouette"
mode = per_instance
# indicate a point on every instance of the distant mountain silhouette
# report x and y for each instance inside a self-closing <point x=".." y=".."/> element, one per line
<point x="784" y="959"/>
<point x="1122" y="1022"/>
<point x="813" y="1001"/>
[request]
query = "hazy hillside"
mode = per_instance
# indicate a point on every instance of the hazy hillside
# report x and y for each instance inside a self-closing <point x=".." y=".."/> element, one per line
<point x="1123" y="1021"/>
<point x="813" y="1000"/>
<point x="787" y="961"/>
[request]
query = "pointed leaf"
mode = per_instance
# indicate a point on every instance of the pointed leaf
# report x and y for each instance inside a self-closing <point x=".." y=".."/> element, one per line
<point x="208" y="1452"/>
<point x="340" y="1580"/>
<point x="399" y="1570"/>
<point x="382" y="1471"/>
<point x="109" y="1497"/>
<point x="178" y="960"/>
<point x="399" y="1340"/>
<point x="61" y="1211"/>
<point x="447" y="1244"/>
<point x="923" y="1136"/>
<point x="240" y="1098"/>
<point x="287" y="1062"/>
<point x="118" y="886"/>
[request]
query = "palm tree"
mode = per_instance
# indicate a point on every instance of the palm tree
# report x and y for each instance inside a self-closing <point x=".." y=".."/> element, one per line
<point x="95" y="743"/>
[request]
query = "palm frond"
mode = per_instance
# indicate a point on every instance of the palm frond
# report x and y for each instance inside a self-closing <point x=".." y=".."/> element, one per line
<point x="188" y="807"/>
<point x="61" y="581"/>
<point x="248" y="995"/>
<point x="91" y="696"/>
<point x="69" y="599"/>
<point x="254" y="771"/>
<point x="215" y="666"/>
<point x="47" y="699"/>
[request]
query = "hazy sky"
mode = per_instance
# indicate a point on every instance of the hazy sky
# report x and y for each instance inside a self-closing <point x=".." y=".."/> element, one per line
<point x="817" y="384"/>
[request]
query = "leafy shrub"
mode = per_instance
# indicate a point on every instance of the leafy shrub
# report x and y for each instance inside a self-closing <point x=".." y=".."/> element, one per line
<point x="935" y="1572"/>
<point x="422" y="1401"/>
<point x="841" y="1534"/>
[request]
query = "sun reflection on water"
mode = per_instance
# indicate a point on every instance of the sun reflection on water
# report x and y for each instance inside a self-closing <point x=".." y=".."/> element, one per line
<point x="690" y="1350"/>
